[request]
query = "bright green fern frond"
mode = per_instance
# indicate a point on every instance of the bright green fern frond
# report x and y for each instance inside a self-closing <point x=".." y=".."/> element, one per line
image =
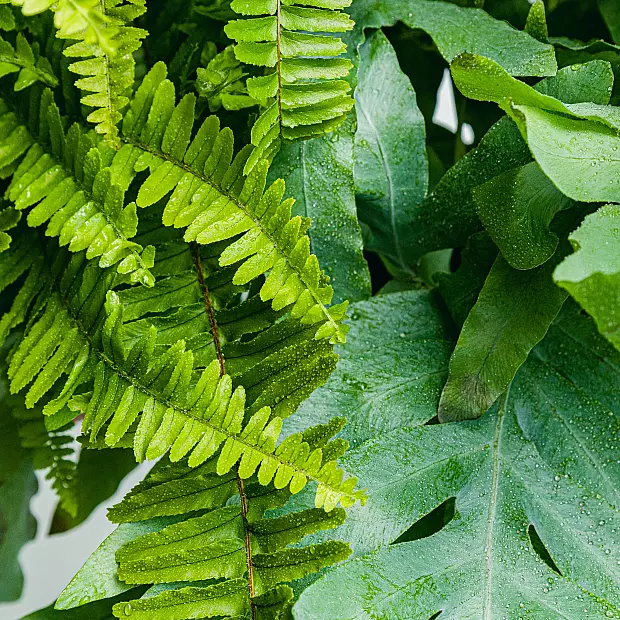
<point x="61" y="177"/>
<point x="301" y="90"/>
<point x="279" y="366"/>
<point x="74" y="19"/>
<point x="108" y="74"/>
<point x="26" y="62"/>
<point x="212" y="198"/>
<point x="236" y="543"/>
<point x="200" y="415"/>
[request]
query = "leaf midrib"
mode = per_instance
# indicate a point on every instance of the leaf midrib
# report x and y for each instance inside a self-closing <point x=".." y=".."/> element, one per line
<point x="391" y="197"/>
<point x="487" y="605"/>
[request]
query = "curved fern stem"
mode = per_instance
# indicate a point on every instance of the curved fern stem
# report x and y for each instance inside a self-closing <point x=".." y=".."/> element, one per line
<point x="222" y="366"/>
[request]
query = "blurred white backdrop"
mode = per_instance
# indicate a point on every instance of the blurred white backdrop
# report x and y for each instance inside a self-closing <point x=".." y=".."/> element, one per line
<point x="49" y="562"/>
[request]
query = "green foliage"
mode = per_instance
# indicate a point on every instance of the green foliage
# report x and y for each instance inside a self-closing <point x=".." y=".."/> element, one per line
<point x="387" y="195"/>
<point x="320" y="172"/>
<point x="526" y="508"/>
<point x="84" y="18"/>
<point x="19" y="526"/>
<point x="592" y="274"/>
<point x="397" y="385"/>
<point x="170" y="250"/>
<point x="21" y="59"/>
<point x="456" y="29"/>
<point x="73" y="336"/>
<point x="516" y="208"/>
<point x="302" y="93"/>
<point x="512" y="314"/>
<point x="61" y="174"/>
<point x="107" y="68"/>
<point x="213" y="546"/>
<point x="208" y="186"/>
<point x="221" y="83"/>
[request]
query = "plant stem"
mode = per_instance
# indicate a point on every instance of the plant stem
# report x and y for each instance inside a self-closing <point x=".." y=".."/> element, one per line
<point x="195" y="251"/>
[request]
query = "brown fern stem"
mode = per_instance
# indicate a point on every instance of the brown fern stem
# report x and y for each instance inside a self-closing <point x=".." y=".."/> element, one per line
<point x="195" y="251"/>
<point x="206" y="298"/>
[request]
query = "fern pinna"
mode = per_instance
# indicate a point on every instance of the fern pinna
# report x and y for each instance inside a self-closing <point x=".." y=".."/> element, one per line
<point x="189" y="348"/>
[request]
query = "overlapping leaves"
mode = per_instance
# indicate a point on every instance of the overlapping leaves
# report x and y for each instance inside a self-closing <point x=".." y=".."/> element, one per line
<point x="534" y="521"/>
<point x="208" y="194"/>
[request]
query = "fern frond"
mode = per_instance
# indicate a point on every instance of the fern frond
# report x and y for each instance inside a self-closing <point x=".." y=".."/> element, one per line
<point x="279" y="366"/>
<point x="302" y="92"/>
<point x="26" y="62"/>
<point x="51" y="450"/>
<point x="240" y="546"/>
<point x="82" y="19"/>
<point x="49" y="447"/>
<point x="108" y="70"/>
<point x="61" y="176"/>
<point x="199" y="415"/>
<point x="212" y="198"/>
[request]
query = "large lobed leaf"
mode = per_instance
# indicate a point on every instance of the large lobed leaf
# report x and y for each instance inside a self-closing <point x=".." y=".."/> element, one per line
<point x="536" y="488"/>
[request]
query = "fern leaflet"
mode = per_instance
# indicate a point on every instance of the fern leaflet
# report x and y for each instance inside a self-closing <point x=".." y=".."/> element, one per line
<point x="63" y="176"/>
<point x="24" y="60"/>
<point x="9" y="218"/>
<point x="221" y="83"/>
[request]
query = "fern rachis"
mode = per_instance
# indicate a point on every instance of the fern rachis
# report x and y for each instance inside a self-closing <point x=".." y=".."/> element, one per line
<point x="148" y="390"/>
